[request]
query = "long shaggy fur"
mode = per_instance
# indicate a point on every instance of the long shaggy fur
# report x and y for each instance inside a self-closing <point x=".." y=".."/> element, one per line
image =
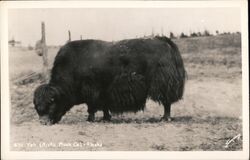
<point x="128" y="92"/>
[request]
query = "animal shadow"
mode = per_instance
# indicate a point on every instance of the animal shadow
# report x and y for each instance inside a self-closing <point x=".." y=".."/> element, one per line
<point x="184" y="119"/>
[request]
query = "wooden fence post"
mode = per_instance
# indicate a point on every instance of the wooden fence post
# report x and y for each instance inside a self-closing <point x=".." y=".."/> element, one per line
<point x="44" y="53"/>
<point x="69" y="36"/>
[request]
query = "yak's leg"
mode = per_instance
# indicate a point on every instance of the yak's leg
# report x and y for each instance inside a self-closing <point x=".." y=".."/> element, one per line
<point x="167" y="109"/>
<point x="106" y="115"/>
<point x="91" y="110"/>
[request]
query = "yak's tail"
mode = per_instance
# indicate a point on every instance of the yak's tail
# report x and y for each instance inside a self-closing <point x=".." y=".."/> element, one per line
<point x="177" y="56"/>
<point x="170" y="75"/>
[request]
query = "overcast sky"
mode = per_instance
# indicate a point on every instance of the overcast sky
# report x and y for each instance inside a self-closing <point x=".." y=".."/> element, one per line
<point x="117" y="24"/>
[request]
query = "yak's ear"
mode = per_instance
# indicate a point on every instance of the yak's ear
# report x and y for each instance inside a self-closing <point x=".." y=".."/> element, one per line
<point x="40" y="90"/>
<point x="56" y="94"/>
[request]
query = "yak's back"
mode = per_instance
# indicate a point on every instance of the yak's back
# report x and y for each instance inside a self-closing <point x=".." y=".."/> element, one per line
<point x="82" y="49"/>
<point x="141" y="46"/>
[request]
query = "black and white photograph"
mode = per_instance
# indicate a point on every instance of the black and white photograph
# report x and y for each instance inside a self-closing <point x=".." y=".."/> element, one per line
<point x="128" y="76"/>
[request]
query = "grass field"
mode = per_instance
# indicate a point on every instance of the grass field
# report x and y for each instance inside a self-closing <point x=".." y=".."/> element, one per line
<point x="208" y="116"/>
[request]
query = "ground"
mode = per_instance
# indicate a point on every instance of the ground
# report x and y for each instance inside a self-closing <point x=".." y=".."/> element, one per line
<point x="205" y="119"/>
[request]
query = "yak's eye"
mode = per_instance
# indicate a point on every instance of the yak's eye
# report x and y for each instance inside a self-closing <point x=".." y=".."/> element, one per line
<point x="52" y="100"/>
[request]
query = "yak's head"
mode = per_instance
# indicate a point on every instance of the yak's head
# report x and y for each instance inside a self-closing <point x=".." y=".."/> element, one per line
<point x="47" y="101"/>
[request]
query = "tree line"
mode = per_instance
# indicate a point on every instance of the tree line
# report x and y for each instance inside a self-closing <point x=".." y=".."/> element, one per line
<point x="205" y="33"/>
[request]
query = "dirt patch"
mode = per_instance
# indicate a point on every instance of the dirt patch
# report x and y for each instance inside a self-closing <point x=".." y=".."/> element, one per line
<point x="207" y="117"/>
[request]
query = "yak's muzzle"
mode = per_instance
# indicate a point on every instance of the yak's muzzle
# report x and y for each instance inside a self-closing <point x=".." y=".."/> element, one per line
<point x="44" y="120"/>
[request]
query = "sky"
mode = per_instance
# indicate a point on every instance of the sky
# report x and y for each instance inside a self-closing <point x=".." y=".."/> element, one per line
<point x="116" y="24"/>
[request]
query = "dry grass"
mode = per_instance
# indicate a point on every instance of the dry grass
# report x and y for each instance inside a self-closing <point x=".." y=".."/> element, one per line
<point x="208" y="116"/>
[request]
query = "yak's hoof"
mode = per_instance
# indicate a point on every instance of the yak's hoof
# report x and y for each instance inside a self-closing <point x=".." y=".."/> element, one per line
<point x="168" y="119"/>
<point x="91" y="119"/>
<point x="106" y="119"/>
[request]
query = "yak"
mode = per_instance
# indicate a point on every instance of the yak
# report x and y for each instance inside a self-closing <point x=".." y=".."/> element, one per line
<point x="114" y="77"/>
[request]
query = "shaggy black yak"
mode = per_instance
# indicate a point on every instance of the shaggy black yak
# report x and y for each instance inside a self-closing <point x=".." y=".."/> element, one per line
<point x="112" y="77"/>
